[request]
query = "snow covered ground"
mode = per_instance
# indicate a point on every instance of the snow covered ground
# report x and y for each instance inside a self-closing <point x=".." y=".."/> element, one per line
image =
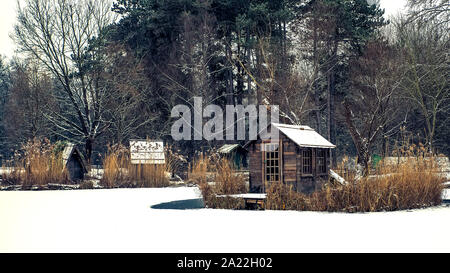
<point x="121" y="220"/>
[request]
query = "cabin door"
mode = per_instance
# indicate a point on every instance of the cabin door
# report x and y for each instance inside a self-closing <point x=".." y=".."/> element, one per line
<point x="272" y="164"/>
<point x="75" y="169"/>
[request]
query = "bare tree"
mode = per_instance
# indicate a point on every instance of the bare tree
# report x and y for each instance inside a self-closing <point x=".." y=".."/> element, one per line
<point x="190" y="71"/>
<point x="313" y="31"/>
<point x="429" y="10"/>
<point x="291" y="88"/>
<point x="368" y="109"/>
<point x="57" y="33"/>
<point x="126" y="109"/>
<point x="425" y="60"/>
<point x="5" y="80"/>
<point x="29" y="98"/>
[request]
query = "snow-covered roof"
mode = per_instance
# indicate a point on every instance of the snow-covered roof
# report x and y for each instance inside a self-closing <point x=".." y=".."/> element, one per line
<point x="246" y="195"/>
<point x="227" y="148"/>
<point x="67" y="152"/>
<point x="147" y="152"/>
<point x="69" y="149"/>
<point x="337" y="177"/>
<point x="304" y="136"/>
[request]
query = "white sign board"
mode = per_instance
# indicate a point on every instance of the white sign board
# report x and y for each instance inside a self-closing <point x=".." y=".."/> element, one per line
<point x="147" y="152"/>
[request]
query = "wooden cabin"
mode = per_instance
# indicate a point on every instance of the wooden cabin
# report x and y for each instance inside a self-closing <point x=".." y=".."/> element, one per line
<point x="299" y="158"/>
<point x="74" y="162"/>
<point x="236" y="154"/>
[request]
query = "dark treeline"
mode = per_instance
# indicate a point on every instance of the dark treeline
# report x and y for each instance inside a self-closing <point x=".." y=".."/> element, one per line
<point x="96" y="72"/>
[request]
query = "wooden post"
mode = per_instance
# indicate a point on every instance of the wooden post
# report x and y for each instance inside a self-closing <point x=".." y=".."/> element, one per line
<point x="313" y="163"/>
<point x="280" y="160"/>
<point x="263" y="180"/>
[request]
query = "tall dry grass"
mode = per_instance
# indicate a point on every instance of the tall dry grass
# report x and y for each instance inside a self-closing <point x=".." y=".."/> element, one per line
<point x="149" y="176"/>
<point x="119" y="172"/>
<point x="345" y="169"/>
<point x="11" y="174"/>
<point x="36" y="164"/>
<point x="198" y="169"/>
<point x="226" y="181"/>
<point x="408" y="184"/>
<point x="175" y="162"/>
<point x="115" y="166"/>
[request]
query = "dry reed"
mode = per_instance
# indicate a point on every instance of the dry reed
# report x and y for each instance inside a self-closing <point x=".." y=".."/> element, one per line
<point x="227" y="182"/>
<point x="37" y="163"/>
<point x="411" y="183"/>
<point x="119" y="172"/>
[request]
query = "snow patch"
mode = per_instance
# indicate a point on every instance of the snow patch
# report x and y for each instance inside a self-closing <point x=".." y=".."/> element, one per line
<point x="121" y="220"/>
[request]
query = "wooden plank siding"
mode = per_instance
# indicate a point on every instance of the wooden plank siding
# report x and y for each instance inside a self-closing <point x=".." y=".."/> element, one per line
<point x="255" y="167"/>
<point x="289" y="162"/>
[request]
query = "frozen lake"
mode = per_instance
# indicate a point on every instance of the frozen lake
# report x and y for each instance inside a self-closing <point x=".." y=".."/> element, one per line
<point x="122" y="220"/>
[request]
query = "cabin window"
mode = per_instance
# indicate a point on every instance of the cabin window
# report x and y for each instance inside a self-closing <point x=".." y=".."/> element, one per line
<point x="307" y="161"/>
<point x="272" y="159"/>
<point x="321" y="159"/>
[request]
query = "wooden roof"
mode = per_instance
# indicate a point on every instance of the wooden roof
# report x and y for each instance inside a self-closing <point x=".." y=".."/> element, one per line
<point x="69" y="150"/>
<point x="228" y="148"/>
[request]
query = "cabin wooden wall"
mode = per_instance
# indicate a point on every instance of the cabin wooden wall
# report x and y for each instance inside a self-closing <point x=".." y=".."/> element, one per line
<point x="289" y="155"/>
<point x="308" y="183"/>
<point x="255" y="167"/>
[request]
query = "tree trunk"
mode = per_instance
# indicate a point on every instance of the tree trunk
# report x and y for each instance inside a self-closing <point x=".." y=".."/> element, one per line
<point x="229" y="81"/>
<point x="317" y="104"/>
<point x="363" y="160"/>
<point x="89" y="147"/>
<point x="331" y="111"/>
<point x="362" y="146"/>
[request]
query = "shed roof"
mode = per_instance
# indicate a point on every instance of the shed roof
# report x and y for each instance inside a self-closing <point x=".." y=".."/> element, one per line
<point x="228" y="148"/>
<point x="69" y="150"/>
<point x="147" y="152"/>
<point x="304" y="136"/>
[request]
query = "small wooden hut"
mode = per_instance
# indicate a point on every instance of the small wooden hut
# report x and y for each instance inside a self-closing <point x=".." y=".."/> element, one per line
<point x="236" y="154"/>
<point x="74" y="161"/>
<point x="299" y="158"/>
